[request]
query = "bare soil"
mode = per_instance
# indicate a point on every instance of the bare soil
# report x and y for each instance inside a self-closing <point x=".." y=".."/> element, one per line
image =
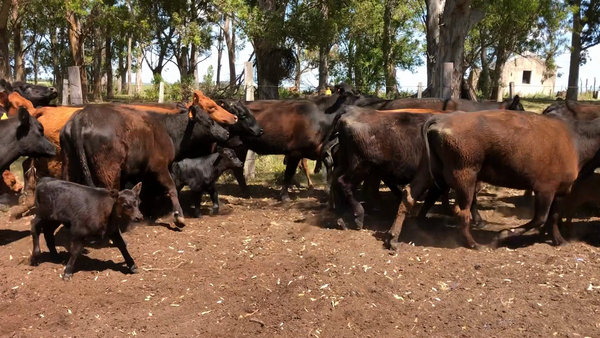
<point x="266" y="269"/>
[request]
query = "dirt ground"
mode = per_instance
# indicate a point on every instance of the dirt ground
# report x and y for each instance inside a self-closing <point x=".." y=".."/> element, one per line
<point x="265" y="269"/>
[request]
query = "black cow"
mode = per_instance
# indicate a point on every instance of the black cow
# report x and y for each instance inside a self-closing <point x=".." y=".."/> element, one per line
<point x="22" y="136"/>
<point x="87" y="212"/>
<point x="107" y="145"/>
<point x="40" y="96"/>
<point x="201" y="175"/>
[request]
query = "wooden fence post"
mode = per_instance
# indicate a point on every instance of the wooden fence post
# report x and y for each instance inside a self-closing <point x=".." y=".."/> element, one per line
<point x="250" y="165"/>
<point x="75" y="85"/>
<point x="161" y="92"/>
<point x="511" y="90"/>
<point x="446" y="89"/>
<point x="65" y="92"/>
<point x="420" y="90"/>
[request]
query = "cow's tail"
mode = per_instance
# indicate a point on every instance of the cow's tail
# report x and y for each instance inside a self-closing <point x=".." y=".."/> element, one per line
<point x="424" y="130"/>
<point x="77" y="140"/>
<point x="327" y="139"/>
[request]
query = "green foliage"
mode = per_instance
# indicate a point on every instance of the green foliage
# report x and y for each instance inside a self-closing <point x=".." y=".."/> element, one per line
<point x="359" y="56"/>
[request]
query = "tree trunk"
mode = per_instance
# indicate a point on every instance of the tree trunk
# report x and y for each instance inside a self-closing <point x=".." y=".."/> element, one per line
<point x="36" y="53"/>
<point x="55" y="61"/>
<point x="220" y="48"/>
<point x="323" y="67"/>
<point x="77" y="43"/>
<point x="268" y="79"/>
<point x="483" y="83"/>
<point x="122" y="85"/>
<point x="19" y="69"/>
<point x="4" y="52"/>
<point x="110" y="93"/>
<point x="129" y="66"/>
<point x="434" y="11"/>
<point x="298" y="75"/>
<point x="138" y="72"/>
<point x="453" y="31"/>
<point x="230" y="42"/>
<point x="388" y="62"/>
<point x="496" y="75"/>
<point x="573" y="88"/>
<point x="97" y="66"/>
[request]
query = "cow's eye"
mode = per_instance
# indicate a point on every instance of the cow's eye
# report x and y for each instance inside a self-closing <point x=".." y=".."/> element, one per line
<point x="242" y="117"/>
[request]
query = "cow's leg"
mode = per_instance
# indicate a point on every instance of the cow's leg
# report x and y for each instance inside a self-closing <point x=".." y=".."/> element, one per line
<point x="552" y="223"/>
<point x="36" y="228"/>
<point x="464" y="184"/>
<point x="305" y="170"/>
<point x="49" y="229"/>
<point x="214" y="197"/>
<point x="478" y="221"/>
<point x="117" y="238"/>
<point x="349" y="180"/>
<point x="412" y="192"/>
<point x="290" y="170"/>
<point x="543" y="203"/>
<point x="334" y="192"/>
<point x="328" y="162"/>
<point x="433" y="195"/>
<point x="197" y="201"/>
<point x="164" y="178"/>
<point x="371" y="192"/>
<point x="76" y="249"/>
<point x="239" y="173"/>
<point x="446" y="202"/>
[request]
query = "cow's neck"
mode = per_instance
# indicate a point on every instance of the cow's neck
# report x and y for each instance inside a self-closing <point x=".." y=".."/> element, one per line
<point x="116" y="221"/>
<point x="180" y="130"/>
<point x="587" y="139"/>
<point x="8" y="151"/>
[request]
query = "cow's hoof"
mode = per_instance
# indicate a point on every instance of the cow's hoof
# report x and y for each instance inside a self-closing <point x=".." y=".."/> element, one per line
<point x="179" y="220"/>
<point x="480" y="225"/>
<point x="560" y="243"/>
<point x="133" y="269"/>
<point x="67" y="276"/>
<point x="33" y="262"/>
<point x="340" y="222"/>
<point x="479" y="247"/>
<point x="394" y="245"/>
<point x="359" y="223"/>
<point x="285" y="199"/>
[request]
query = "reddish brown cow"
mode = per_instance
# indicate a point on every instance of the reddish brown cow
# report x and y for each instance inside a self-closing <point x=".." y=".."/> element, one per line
<point x="107" y="145"/>
<point x="519" y="150"/>
<point x="584" y="191"/>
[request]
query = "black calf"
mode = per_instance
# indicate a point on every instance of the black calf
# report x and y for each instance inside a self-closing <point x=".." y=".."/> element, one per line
<point x="87" y="212"/>
<point x="201" y="174"/>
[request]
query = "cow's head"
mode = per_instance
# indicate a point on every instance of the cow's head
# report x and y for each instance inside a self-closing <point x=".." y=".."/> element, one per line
<point x="204" y="125"/>
<point x="12" y="101"/>
<point x="247" y="124"/>
<point x="228" y="159"/>
<point x="514" y="104"/>
<point x="127" y="203"/>
<point x="11" y="181"/>
<point x="29" y="139"/>
<point x="39" y="95"/>
<point x="215" y="111"/>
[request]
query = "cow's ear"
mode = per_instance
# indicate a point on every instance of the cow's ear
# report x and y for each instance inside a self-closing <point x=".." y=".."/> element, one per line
<point x="137" y="188"/>
<point x="24" y="117"/>
<point x="114" y="193"/>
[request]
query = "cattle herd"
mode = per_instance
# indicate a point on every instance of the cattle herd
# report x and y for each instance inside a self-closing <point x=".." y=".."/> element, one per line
<point x="82" y="158"/>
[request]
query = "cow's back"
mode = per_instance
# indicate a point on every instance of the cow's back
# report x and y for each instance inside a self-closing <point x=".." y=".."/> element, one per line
<point x="64" y="202"/>
<point x="392" y="140"/>
<point x="514" y="148"/>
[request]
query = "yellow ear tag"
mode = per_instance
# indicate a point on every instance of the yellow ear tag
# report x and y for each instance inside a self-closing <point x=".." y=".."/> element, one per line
<point x="4" y="117"/>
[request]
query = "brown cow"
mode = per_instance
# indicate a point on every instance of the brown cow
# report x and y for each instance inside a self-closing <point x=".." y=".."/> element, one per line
<point x="584" y="191"/>
<point x="11" y="101"/>
<point x="382" y="145"/>
<point x="106" y="145"/>
<point x="519" y="150"/>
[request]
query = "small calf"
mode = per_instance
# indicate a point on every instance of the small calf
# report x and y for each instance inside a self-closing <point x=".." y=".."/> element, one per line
<point x="87" y="212"/>
<point x="201" y="175"/>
